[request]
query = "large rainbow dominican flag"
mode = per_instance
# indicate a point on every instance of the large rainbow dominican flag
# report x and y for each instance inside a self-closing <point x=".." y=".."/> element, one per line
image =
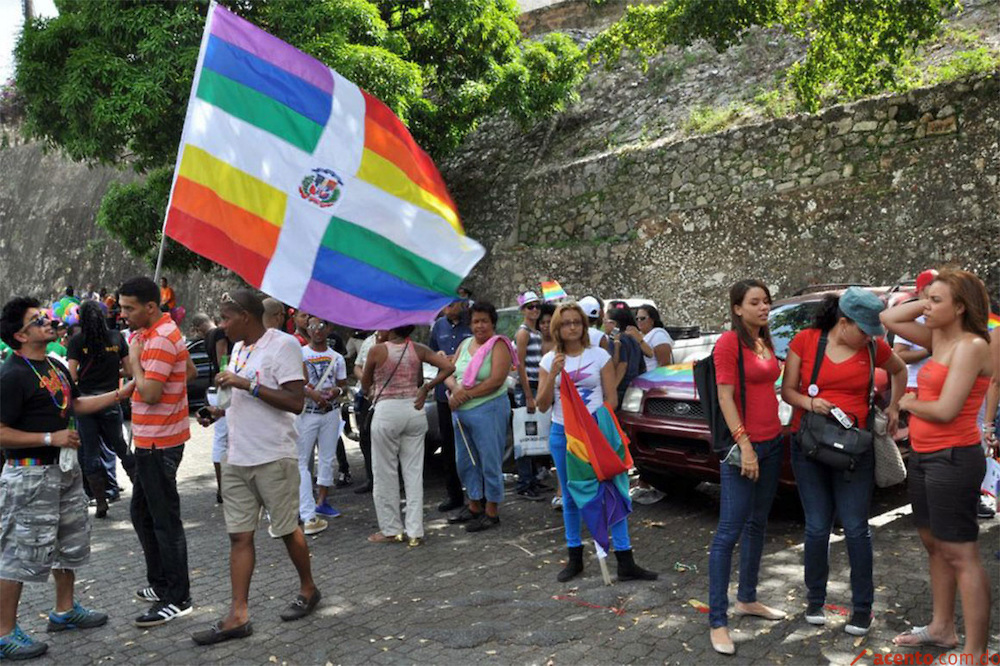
<point x="597" y="463"/>
<point x="309" y="188"/>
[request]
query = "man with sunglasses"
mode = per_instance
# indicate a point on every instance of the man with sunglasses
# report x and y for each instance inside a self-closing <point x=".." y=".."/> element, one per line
<point x="43" y="511"/>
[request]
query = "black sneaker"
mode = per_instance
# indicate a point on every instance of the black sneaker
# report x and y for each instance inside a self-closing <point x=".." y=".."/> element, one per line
<point x="482" y="522"/>
<point x="859" y="624"/>
<point x="162" y="613"/>
<point x="147" y="594"/>
<point x="815" y="614"/>
<point x="530" y="494"/>
<point x="343" y="480"/>
<point x="451" y="504"/>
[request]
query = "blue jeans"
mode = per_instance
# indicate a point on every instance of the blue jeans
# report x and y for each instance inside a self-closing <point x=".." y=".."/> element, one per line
<point x="571" y="512"/>
<point x="825" y="491"/>
<point x="480" y="437"/>
<point x="743" y="509"/>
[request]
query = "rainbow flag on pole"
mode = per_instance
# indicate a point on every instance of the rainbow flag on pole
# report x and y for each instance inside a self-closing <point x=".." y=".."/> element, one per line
<point x="310" y="188"/>
<point x="993" y="321"/>
<point x="597" y="463"/>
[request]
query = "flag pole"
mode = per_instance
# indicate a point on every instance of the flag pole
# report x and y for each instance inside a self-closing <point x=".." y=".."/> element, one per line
<point x="159" y="255"/>
<point x="602" y="559"/>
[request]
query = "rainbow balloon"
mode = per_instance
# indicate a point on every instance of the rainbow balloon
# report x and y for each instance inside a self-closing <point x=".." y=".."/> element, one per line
<point x="552" y="291"/>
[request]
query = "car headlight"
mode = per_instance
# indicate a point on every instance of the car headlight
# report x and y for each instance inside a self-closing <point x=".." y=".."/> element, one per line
<point x="784" y="412"/>
<point x="632" y="402"/>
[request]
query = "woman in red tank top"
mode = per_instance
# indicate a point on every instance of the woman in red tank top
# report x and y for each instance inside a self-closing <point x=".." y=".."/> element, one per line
<point x="947" y="464"/>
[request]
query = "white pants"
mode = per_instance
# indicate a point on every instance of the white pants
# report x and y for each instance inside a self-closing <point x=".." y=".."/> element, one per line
<point x="220" y="441"/>
<point x="398" y="441"/>
<point x="326" y="429"/>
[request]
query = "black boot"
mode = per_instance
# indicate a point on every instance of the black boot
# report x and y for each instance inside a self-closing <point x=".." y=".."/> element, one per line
<point x="98" y="485"/>
<point x="574" y="566"/>
<point x="629" y="570"/>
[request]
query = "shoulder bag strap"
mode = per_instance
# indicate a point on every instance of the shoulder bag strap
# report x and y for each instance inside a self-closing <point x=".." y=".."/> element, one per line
<point x="743" y="379"/>
<point x="871" y="386"/>
<point x="392" y="374"/>
<point x="820" y="353"/>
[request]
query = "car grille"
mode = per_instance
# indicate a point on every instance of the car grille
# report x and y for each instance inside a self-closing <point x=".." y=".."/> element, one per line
<point x="674" y="409"/>
<point x="690" y="447"/>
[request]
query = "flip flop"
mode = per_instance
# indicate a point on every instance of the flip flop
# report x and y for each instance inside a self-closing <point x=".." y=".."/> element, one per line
<point x="923" y="637"/>
<point x="378" y="537"/>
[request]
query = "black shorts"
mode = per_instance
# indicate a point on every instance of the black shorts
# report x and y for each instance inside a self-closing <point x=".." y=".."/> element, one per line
<point x="944" y="491"/>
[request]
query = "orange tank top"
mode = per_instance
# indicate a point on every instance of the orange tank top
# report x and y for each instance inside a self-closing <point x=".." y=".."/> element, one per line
<point x="928" y="436"/>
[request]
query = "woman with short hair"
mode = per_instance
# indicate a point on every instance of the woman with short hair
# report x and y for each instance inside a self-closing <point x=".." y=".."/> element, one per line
<point x="946" y="465"/>
<point x="481" y="413"/>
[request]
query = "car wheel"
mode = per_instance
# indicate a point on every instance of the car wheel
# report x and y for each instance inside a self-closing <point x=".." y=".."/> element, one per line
<point x="670" y="484"/>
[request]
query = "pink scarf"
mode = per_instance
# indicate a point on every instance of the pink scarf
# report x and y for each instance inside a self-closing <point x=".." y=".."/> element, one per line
<point x="471" y="370"/>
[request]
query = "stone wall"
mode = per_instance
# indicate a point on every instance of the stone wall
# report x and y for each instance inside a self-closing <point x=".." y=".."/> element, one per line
<point x="872" y="192"/>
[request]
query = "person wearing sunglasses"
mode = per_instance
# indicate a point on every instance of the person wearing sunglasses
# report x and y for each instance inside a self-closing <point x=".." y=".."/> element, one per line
<point x="528" y="344"/>
<point x="659" y="342"/>
<point x="43" y="509"/>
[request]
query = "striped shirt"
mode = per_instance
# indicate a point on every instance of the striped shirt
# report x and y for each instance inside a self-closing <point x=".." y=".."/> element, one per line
<point x="533" y="353"/>
<point x="164" y="359"/>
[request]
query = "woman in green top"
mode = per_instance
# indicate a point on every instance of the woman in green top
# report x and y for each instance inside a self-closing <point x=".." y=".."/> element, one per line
<point x="481" y="414"/>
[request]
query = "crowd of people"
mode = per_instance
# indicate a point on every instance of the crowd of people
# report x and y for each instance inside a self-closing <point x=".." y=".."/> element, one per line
<point x="279" y="401"/>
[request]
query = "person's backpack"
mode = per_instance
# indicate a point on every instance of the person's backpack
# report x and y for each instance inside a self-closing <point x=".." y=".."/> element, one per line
<point x="708" y="394"/>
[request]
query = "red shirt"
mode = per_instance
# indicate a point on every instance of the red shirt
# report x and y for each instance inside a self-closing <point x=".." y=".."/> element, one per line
<point x="930" y="436"/>
<point x="845" y="384"/>
<point x="760" y="374"/>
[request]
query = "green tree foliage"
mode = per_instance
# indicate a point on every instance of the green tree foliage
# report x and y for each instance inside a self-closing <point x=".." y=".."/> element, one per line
<point x="853" y="47"/>
<point x="108" y="80"/>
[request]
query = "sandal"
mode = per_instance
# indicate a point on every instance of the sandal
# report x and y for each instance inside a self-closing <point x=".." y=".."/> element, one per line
<point x="378" y="537"/>
<point x="923" y="637"/>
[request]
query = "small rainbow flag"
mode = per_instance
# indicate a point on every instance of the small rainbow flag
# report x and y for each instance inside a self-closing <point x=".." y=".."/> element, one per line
<point x="310" y="188"/>
<point x="552" y="291"/>
<point x="993" y="321"/>
<point x="597" y="463"/>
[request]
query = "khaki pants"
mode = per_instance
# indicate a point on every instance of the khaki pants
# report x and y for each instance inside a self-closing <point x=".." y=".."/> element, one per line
<point x="398" y="441"/>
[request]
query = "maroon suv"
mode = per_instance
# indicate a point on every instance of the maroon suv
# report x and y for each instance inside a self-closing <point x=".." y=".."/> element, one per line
<point x="670" y="439"/>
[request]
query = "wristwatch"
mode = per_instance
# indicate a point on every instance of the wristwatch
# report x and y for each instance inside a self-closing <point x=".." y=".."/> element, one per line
<point x="48" y="439"/>
<point x="253" y="386"/>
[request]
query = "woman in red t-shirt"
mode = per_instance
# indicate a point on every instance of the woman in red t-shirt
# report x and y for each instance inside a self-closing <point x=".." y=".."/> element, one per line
<point x="947" y="464"/>
<point x="749" y="485"/>
<point x="850" y="323"/>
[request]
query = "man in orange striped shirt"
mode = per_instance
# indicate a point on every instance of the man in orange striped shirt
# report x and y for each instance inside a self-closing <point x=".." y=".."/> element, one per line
<point x="160" y="426"/>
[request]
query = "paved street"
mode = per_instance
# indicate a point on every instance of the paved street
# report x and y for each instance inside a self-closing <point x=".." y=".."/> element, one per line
<point x="487" y="598"/>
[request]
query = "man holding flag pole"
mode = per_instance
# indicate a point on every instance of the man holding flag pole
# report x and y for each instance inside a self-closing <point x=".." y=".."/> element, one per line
<point x="587" y="445"/>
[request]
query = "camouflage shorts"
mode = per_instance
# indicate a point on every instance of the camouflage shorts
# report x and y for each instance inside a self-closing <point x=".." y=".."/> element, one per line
<point x="43" y="522"/>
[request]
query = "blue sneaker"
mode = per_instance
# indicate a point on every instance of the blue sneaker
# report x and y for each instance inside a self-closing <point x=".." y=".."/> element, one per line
<point x="77" y="617"/>
<point x="325" y="509"/>
<point x="18" y="645"/>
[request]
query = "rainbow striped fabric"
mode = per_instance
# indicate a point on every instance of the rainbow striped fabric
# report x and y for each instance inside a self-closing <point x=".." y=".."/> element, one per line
<point x="597" y="463"/>
<point x="309" y="188"/>
<point x="552" y="291"/>
<point x="993" y="321"/>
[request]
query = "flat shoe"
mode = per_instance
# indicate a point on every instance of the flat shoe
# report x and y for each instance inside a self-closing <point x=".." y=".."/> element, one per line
<point x="301" y="607"/>
<point x="463" y="516"/>
<point x="722" y="648"/>
<point x="378" y="537"/>
<point x="216" y="634"/>
<point x="768" y="614"/>
<point x="923" y="637"/>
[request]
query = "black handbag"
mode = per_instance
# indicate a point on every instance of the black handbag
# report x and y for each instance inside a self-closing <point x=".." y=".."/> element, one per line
<point x="708" y="393"/>
<point x="823" y="438"/>
<point x="370" y="414"/>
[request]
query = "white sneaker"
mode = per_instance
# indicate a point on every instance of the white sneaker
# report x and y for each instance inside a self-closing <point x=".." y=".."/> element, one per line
<point x="314" y="526"/>
<point x="557" y="503"/>
<point x="646" y="495"/>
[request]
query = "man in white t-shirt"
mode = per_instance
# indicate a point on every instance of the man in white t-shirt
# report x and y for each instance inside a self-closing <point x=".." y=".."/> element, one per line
<point x="594" y="309"/>
<point x="267" y="382"/>
<point x="326" y="379"/>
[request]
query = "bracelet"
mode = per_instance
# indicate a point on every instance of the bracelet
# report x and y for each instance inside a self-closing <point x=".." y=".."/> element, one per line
<point x="739" y="432"/>
<point x="118" y="397"/>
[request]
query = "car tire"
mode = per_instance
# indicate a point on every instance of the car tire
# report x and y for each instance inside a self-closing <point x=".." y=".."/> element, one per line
<point x="671" y="484"/>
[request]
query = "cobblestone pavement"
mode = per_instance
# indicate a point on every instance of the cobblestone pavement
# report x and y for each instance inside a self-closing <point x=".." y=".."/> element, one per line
<point x="486" y="598"/>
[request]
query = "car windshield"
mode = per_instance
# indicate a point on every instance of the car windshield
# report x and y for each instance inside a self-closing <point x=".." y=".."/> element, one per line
<point x="787" y="320"/>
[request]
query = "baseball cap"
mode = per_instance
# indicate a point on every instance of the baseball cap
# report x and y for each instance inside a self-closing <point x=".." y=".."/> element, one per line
<point x="863" y="308"/>
<point x="925" y="278"/>
<point x="590" y="307"/>
<point x="527" y="297"/>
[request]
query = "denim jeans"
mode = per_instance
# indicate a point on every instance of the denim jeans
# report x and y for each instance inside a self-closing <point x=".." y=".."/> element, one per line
<point x="571" y="512"/>
<point x="824" y="492"/>
<point x="480" y="437"/>
<point x="156" y="517"/>
<point x="103" y="427"/>
<point x="743" y="509"/>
